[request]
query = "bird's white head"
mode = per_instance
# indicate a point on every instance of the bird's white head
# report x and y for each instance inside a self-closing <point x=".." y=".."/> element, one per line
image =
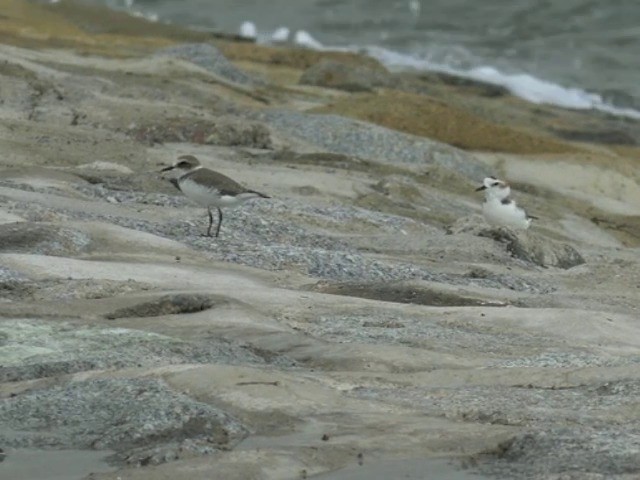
<point x="494" y="188"/>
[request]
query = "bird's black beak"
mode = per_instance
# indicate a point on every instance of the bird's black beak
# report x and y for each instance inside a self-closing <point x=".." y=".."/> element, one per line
<point x="165" y="169"/>
<point x="479" y="189"/>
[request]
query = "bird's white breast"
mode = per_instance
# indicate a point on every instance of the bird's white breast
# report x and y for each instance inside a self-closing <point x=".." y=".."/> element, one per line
<point x="199" y="193"/>
<point x="509" y="215"/>
<point x="209" y="196"/>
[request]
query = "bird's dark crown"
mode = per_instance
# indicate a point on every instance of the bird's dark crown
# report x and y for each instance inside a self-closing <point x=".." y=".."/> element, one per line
<point x="187" y="162"/>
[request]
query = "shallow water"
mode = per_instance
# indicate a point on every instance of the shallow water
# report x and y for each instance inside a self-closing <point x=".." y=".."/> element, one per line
<point x="368" y="467"/>
<point x="406" y="468"/>
<point x="35" y="464"/>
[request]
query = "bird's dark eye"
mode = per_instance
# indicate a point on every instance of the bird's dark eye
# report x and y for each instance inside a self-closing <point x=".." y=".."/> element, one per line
<point x="495" y="184"/>
<point x="183" y="164"/>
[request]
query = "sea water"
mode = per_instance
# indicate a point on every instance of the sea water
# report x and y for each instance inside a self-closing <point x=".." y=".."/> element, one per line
<point x="580" y="54"/>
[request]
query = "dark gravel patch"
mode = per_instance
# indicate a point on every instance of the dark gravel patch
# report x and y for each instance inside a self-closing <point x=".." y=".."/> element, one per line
<point x="42" y="239"/>
<point x="574" y="431"/>
<point x="168" y="305"/>
<point x="209" y="57"/>
<point x="39" y="349"/>
<point x="346" y="136"/>
<point x="143" y="420"/>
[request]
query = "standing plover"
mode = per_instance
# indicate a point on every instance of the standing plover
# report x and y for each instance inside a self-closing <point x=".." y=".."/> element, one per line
<point x="208" y="188"/>
<point x="498" y="209"/>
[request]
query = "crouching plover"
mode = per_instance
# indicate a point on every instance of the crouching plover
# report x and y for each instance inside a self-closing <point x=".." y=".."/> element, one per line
<point x="498" y="209"/>
<point x="208" y="188"/>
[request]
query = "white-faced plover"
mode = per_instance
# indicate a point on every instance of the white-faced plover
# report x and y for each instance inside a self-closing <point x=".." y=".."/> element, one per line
<point x="208" y="188"/>
<point x="499" y="209"/>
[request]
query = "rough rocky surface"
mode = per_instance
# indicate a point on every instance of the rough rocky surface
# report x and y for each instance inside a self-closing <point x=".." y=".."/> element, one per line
<point x="425" y="116"/>
<point x="363" y="321"/>
<point x="344" y="76"/>
<point x="208" y="57"/>
<point x="539" y="250"/>
<point x="525" y="245"/>
<point x="224" y="131"/>
<point x="142" y="420"/>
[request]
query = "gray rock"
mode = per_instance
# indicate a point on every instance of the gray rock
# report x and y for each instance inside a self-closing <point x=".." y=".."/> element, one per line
<point x="42" y="239"/>
<point x="439" y="335"/>
<point x="535" y="249"/>
<point x="209" y="57"/>
<point x="343" y="76"/>
<point x="404" y="293"/>
<point x="573" y="451"/>
<point x="346" y="136"/>
<point x="471" y="224"/>
<point x="224" y="131"/>
<point x="607" y="137"/>
<point x="565" y="430"/>
<point x="478" y="87"/>
<point x="14" y="284"/>
<point x="141" y="419"/>
<point x="232" y="133"/>
<point x="330" y="264"/>
<point x="527" y="245"/>
<point x="490" y="279"/>
<point x="37" y="349"/>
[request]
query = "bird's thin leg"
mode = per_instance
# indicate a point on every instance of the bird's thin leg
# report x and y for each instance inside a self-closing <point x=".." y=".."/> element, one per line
<point x="219" y="221"/>
<point x="210" y="222"/>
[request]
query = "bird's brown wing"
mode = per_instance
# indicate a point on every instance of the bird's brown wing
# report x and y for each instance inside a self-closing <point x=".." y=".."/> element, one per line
<point x="259" y="194"/>
<point x="218" y="181"/>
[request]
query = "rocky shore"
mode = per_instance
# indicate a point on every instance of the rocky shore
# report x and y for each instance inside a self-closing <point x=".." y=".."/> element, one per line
<point x="364" y="322"/>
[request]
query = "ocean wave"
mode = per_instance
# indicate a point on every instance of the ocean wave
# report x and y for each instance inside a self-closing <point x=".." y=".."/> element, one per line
<point x="523" y="85"/>
<point x="301" y="38"/>
<point x="128" y="6"/>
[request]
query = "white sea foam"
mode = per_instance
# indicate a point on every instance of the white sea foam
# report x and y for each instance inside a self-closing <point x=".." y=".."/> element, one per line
<point x="523" y="85"/>
<point x="414" y="7"/>
<point x="305" y="39"/>
<point x="248" y="30"/>
<point x="147" y="15"/>
<point x="536" y="90"/>
<point x="280" y="34"/>
<point x="152" y="17"/>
